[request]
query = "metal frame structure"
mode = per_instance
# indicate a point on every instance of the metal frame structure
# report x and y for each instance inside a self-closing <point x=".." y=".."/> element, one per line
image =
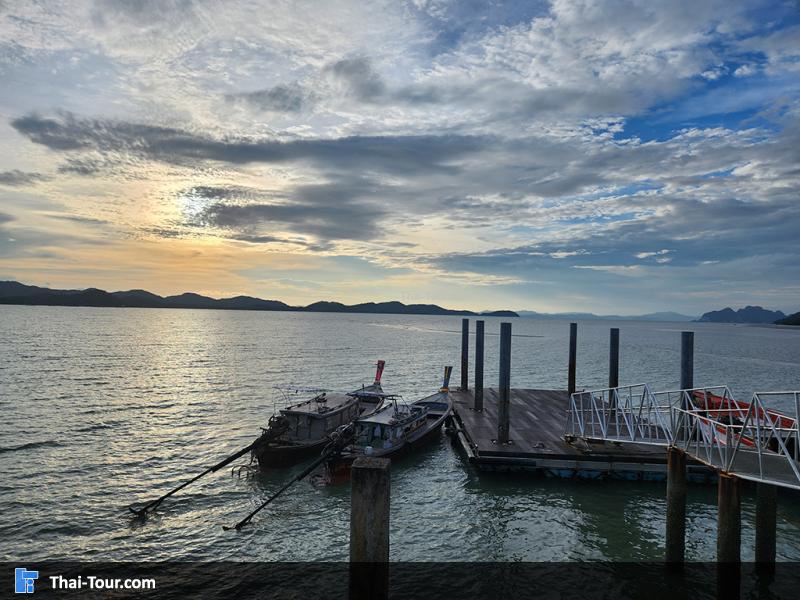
<point x="750" y="441"/>
<point x="629" y="413"/>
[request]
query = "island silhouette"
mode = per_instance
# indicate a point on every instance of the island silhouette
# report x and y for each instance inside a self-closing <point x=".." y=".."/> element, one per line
<point x="13" y="292"/>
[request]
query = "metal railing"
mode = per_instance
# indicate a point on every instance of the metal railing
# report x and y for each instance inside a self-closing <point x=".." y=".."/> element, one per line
<point x="749" y="440"/>
<point x="627" y="413"/>
<point x="767" y="449"/>
<point x="706" y="438"/>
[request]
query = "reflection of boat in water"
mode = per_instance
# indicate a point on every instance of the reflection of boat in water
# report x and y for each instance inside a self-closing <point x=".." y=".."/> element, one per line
<point x="306" y="426"/>
<point x="397" y="428"/>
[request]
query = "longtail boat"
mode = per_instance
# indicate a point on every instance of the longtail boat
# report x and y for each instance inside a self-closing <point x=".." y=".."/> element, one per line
<point x="396" y="428"/>
<point x="307" y="425"/>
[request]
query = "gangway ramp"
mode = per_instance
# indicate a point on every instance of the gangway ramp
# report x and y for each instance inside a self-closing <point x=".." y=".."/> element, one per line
<point x="753" y="441"/>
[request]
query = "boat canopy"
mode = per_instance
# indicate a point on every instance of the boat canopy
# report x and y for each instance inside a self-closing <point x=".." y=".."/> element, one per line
<point x="391" y="415"/>
<point x="320" y="405"/>
<point x="371" y="394"/>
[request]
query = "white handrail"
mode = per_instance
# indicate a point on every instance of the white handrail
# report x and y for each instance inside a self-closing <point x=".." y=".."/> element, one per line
<point x="748" y="440"/>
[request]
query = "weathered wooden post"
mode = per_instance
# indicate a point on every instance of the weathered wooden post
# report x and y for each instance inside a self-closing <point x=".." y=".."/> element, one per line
<point x="573" y="353"/>
<point x="766" y="509"/>
<point x="464" y="354"/>
<point x="478" y="366"/>
<point x="613" y="367"/>
<point x="729" y="519"/>
<point x="687" y="360"/>
<point x="613" y="359"/>
<point x="676" y="469"/>
<point x="676" y="506"/>
<point x="729" y="537"/>
<point x="369" y="528"/>
<point x="503" y="417"/>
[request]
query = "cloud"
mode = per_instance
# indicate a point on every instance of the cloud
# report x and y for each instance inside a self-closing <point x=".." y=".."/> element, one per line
<point x="359" y="78"/>
<point x="334" y="222"/>
<point x="291" y="98"/>
<point x="256" y="239"/>
<point x="745" y="70"/>
<point x="17" y="178"/>
<point x="80" y="219"/>
<point x="393" y="154"/>
<point x="108" y="13"/>
<point x="82" y="166"/>
<point x="271" y="239"/>
<point x="536" y="182"/>
<point x="334" y="210"/>
<point x="651" y="254"/>
<point x="700" y="234"/>
<point x="778" y="45"/>
<point x="223" y="192"/>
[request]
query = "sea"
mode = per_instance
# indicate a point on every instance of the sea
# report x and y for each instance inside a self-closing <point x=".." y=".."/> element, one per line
<point x="107" y="407"/>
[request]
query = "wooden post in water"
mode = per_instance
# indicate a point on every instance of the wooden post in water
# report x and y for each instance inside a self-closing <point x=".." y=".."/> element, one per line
<point x="766" y="509"/>
<point x="729" y="537"/>
<point x="464" y="354"/>
<point x="503" y="417"/>
<point x="478" y="366"/>
<point x="687" y="360"/>
<point x="613" y="366"/>
<point x="613" y="358"/>
<point x="676" y="506"/>
<point x="573" y="353"/>
<point x="729" y="520"/>
<point x="369" y="528"/>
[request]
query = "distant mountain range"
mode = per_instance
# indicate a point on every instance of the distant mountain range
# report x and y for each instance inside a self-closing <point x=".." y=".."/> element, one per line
<point x="748" y="314"/>
<point x="657" y="316"/>
<point x="13" y="292"/>
<point x="790" y="320"/>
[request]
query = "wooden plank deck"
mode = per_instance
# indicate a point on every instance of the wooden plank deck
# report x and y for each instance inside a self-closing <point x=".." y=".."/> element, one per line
<point x="538" y="419"/>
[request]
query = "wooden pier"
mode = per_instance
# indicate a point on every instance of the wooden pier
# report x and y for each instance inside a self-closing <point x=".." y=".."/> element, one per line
<point x="537" y="442"/>
<point x="608" y="434"/>
<point x="504" y="429"/>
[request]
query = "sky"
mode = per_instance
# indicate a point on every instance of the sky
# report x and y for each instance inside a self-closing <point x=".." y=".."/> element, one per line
<point x="614" y="157"/>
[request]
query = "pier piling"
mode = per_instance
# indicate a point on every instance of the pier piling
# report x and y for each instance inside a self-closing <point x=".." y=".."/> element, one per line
<point x="766" y="510"/>
<point x="687" y="360"/>
<point x="729" y="519"/>
<point x="478" y="405"/>
<point x="613" y="358"/>
<point x="676" y="506"/>
<point x="464" y="354"/>
<point x="369" y="529"/>
<point x="503" y="417"/>
<point x="573" y="353"/>
<point x="729" y="537"/>
<point x="613" y="364"/>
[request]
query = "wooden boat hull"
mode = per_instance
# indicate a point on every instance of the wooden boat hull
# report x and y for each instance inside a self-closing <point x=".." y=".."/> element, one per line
<point x="290" y="454"/>
<point x="287" y="455"/>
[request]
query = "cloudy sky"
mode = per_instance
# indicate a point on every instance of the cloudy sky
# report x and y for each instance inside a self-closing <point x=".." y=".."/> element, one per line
<point x="621" y="156"/>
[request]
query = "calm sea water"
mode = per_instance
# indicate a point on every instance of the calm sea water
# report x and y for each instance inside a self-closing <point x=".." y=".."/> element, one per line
<point x="105" y="407"/>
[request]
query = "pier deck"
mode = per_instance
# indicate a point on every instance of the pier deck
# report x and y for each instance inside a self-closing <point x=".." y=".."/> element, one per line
<point x="537" y="423"/>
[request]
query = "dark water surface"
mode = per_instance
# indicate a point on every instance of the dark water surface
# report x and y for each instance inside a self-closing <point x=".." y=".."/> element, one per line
<point x="105" y="407"/>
